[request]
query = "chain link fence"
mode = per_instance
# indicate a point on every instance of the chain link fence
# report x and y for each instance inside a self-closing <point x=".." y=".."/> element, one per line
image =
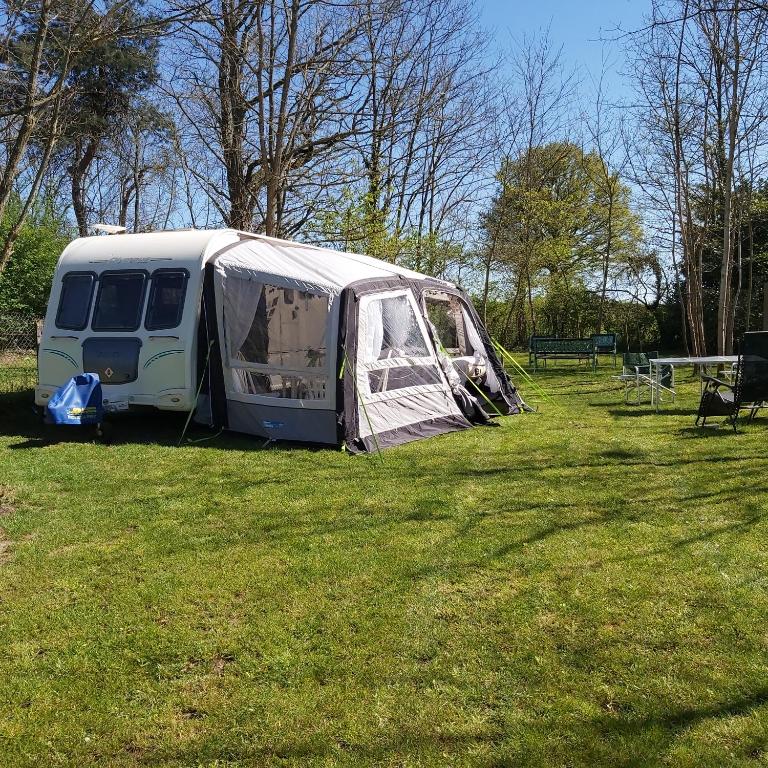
<point x="18" y="352"/>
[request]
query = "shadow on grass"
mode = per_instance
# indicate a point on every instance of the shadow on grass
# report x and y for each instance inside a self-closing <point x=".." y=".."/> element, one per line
<point x="646" y="410"/>
<point x="609" y="459"/>
<point x="607" y="515"/>
<point x="20" y="419"/>
<point x="739" y="526"/>
<point x="721" y="429"/>
<point x="674" y="721"/>
<point x="299" y="751"/>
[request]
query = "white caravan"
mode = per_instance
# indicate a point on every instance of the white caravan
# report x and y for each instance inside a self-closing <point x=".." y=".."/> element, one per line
<point x="269" y="337"/>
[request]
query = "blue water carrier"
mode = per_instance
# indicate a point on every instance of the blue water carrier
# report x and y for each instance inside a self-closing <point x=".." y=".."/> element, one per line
<point x="78" y="402"/>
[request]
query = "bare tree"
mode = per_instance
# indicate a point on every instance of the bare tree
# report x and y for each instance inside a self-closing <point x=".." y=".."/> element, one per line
<point x="701" y="70"/>
<point x="265" y="91"/>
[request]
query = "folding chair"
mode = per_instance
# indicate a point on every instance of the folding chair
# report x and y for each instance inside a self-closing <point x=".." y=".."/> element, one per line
<point x="636" y="375"/>
<point x="749" y="390"/>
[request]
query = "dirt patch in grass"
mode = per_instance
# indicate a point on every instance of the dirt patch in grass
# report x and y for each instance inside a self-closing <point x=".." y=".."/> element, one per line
<point x="7" y="501"/>
<point x="5" y="547"/>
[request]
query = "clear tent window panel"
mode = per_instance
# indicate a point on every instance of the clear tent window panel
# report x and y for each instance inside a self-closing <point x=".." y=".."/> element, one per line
<point x="278" y="327"/>
<point x="446" y="315"/>
<point x="394" y="352"/>
<point x="292" y="387"/>
<point x="393" y="330"/>
<point x="402" y="377"/>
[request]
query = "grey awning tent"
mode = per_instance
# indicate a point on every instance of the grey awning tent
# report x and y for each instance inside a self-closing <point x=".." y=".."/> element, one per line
<point x="317" y="345"/>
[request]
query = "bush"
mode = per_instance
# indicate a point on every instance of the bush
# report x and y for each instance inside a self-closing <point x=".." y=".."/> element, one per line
<point x="26" y="281"/>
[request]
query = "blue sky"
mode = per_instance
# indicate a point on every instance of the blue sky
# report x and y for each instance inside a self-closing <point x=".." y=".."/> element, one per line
<point x="580" y="26"/>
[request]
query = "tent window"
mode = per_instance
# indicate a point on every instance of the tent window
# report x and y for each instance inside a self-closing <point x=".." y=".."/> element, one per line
<point x="387" y="379"/>
<point x="276" y="327"/>
<point x="119" y="301"/>
<point x="445" y="314"/>
<point x="166" y="299"/>
<point x="393" y="330"/>
<point x="280" y="385"/>
<point x="75" y="301"/>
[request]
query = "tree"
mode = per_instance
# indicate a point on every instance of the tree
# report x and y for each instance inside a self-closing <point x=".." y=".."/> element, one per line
<point x="102" y="84"/>
<point x="266" y="92"/>
<point x="552" y="222"/>
<point x="25" y="282"/>
<point x="47" y="50"/>
<point x="702" y="70"/>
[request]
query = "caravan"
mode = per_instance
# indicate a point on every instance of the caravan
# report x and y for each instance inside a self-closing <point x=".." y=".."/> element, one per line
<point x="270" y="337"/>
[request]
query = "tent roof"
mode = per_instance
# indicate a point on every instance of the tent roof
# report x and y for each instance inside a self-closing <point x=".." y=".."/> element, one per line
<point x="309" y="265"/>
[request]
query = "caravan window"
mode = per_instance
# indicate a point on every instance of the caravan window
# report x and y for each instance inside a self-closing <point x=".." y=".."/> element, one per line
<point x="75" y="301"/>
<point x="166" y="299"/>
<point x="119" y="301"/>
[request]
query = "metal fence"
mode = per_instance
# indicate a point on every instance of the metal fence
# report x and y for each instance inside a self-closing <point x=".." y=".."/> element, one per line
<point x="18" y="333"/>
<point x="18" y="358"/>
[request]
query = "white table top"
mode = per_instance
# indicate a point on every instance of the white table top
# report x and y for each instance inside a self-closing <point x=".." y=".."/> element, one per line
<point x="708" y="360"/>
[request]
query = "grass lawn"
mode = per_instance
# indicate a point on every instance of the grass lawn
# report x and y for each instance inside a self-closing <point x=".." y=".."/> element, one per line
<point x="578" y="587"/>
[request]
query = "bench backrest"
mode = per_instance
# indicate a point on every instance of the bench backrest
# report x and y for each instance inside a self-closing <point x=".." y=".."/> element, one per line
<point x="564" y="346"/>
<point x="604" y="342"/>
<point x="533" y="342"/>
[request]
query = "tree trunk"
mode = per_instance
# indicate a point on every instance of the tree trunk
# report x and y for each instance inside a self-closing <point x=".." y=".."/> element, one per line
<point x="78" y="171"/>
<point x="606" y="261"/>
<point x="748" y="308"/>
<point x="28" y="114"/>
<point x="724" y="329"/>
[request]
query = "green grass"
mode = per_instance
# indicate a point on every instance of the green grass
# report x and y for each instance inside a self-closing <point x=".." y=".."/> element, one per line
<point x="582" y="586"/>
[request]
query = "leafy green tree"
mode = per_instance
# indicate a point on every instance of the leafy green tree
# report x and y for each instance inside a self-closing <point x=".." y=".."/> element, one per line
<point x="26" y="281"/>
<point x="102" y="84"/>
<point x="553" y="225"/>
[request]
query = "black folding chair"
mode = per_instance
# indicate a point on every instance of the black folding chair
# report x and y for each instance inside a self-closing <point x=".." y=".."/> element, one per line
<point x="748" y="392"/>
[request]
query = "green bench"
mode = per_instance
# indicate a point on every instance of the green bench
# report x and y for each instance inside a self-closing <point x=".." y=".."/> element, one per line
<point x="543" y="349"/>
<point x="605" y="344"/>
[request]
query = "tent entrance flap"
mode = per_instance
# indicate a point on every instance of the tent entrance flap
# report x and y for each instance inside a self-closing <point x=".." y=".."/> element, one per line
<point x="401" y="390"/>
<point x="469" y="350"/>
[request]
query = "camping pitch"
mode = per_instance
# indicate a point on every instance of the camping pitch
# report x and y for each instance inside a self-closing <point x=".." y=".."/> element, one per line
<point x="272" y="338"/>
